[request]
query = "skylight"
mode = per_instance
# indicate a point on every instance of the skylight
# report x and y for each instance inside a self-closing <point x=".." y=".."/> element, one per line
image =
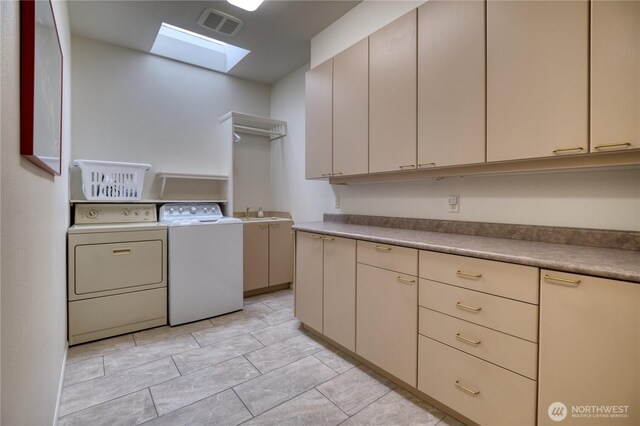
<point x="186" y="46"/>
<point x="249" y="5"/>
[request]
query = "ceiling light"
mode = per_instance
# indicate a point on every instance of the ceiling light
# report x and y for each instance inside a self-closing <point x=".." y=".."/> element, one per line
<point x="249" y="5"/>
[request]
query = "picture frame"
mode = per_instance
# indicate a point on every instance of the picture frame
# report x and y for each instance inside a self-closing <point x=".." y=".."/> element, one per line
<point x="41" y="85"/>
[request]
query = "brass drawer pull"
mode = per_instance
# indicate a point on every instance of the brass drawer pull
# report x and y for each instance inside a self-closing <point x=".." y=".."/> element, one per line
<point x="467" y="307"/>
<point x="408" y="166"/>
<point x="565" y="150"/>
<point x="317" y="237"/>
<point x="328" y="238"/>
<point x="614" y="145"/>
<point x="468" y="275"/>
<point x="337" y="173"/>
<point x="427" y="165"/>
<point x="381" y="248"/>
<point x="466" y="389"/>
<point x="119" y="252"/>
<point x="327" y="174"/>
<point x="561" y="280"/>
<point x="405" y="280"/>
<point x="464" y="339"/>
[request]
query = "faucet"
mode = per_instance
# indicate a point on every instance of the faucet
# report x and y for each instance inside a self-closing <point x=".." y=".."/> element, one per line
<point x="246" y="211"/>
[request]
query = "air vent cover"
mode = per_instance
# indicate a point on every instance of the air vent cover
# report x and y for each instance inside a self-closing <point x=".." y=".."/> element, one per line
<point x="220" y="22"/>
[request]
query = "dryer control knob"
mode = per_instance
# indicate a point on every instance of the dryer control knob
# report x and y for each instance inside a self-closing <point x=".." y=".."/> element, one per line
<point x="92" y="214"/>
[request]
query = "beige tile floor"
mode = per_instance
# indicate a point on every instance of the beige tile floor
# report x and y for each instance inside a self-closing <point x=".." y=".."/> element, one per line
<point x="255" y="366"/>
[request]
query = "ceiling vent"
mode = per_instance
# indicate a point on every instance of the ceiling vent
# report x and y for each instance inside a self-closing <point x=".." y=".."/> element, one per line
<point x="220" y="22"/>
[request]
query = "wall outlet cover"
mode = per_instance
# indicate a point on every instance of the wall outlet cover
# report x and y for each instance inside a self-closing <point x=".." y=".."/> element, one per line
<point x="454" y="203"/>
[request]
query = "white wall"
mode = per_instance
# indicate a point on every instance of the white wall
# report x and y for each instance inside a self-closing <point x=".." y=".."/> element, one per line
<point x="597" y="199"/>
<point x="138" y="107"/>
<point x="35" y="217"/>
<point x="304" y="199"/>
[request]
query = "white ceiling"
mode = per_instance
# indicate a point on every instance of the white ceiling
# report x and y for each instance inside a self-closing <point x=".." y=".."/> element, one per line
<point x="278" y="34"/>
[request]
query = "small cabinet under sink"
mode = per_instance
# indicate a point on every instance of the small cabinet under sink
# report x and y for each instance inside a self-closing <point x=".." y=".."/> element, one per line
<point x="268" y="253"/>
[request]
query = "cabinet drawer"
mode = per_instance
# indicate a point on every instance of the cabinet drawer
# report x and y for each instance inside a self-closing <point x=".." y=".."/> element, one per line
<point x="107" y="316"/>
<point x="506" y="315"/>
<point x="512" y="353"/>
<point x="387" y="320"/>
<point x="386" y="256"/>
<point x="102" y="267"/>
<point x="503" y="397"/>
<point x="503" y="279"/>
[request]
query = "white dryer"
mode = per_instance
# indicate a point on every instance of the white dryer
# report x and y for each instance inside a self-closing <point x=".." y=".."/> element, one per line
<point x="205" y="261"/>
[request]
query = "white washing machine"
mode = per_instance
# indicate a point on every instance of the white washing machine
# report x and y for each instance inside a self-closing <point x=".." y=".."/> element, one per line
<point x="205" y="261"/>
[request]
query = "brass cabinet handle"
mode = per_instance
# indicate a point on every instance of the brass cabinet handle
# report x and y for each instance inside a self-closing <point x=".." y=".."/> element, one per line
<point x="561" y="280"/>
<point x="328" y="238"/>
<point x="467" y="307"/>
<point x="468" y="275"/>
<point x="327" y="174"/>
<point x="466" y="389"/>
<point x="337" y="173"/>
<point x="381" y="248"/>
<point x="317" y="237"/>
<point x="464" y="339"/>
<point x="427" y="165"/>
<point x="564" y="150"/>
<point x="119" y="252"/>
<point x="407" y="166"/>
<point x="614" y="145"/>
<point x="405" y="280"/>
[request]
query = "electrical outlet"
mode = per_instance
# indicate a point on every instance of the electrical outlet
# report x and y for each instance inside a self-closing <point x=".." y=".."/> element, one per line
<point x="337" y="205"/>
<point x="454" y="204"/>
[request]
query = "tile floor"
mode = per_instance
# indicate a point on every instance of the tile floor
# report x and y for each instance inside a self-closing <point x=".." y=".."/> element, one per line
<point x="254" y="367"/>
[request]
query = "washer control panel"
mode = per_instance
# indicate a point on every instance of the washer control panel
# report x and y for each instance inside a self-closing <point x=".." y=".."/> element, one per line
<point x="197" y="211"/>
<point x="115" y="213"/>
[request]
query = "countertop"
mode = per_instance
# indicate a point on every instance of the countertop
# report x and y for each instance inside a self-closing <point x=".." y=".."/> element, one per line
<point x="595" y="261"/>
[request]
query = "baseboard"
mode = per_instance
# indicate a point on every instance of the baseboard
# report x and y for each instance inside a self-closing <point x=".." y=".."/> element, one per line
<point x="269" y="289"/>
<point x="61" y="383"/>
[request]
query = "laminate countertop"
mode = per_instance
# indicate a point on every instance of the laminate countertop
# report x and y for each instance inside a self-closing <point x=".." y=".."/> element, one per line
<point x="600" y="262"/>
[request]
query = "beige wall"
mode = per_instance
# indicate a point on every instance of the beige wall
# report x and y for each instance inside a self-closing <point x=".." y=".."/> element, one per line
<point x="33" y="234"/>
<point x="137" y="107"/>
<point x="599" y="199"/>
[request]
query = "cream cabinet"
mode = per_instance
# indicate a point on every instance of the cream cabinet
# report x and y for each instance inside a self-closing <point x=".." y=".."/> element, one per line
<point x="615" y="75"/>
<point x="318" y="121"/>
<point x="268" y="254"/>
<point x="392" y="95"/>
<point x="255" y="255"/>
<point x="351" y="110"/>
<point x="309" y="276"/>
<point x="589" y="350"/>
<point x="451" y="83"/>
<point x="537" y="79"/>
<point x="386" y="313"/>
<point x="339" y="291"/>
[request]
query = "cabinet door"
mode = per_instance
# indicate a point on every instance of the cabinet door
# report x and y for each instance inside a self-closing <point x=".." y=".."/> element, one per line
<point x="340" y="290"/>
<point x="256" y="255"/>
<point x="589" y="347"/>
<point x="351" y="110"/>
<point x="392" y="95"/>
<point x="280" y="253"/>
<point x="318" y="100"/>
<point x="308" y="288"/>
<point x="615" y="75"/>
<point x="451" y="83"/>
<point x="537" y="78"/>
<point x="387" y="320"/>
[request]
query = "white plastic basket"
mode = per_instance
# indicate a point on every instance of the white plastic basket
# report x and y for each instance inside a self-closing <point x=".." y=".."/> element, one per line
<point x="111" y="180"/>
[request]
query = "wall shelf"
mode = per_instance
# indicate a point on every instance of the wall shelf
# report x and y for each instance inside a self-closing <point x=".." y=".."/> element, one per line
<point x="256" y="125"/>
<point x="194" y="176"/>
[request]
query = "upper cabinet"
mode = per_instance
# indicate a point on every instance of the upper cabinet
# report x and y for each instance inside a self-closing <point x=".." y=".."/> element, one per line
<point x="351" y="110"/>
<point x="615" y="75"/>
<point x="318" y="120"/>
<point x="537" y="79"/>
<point x="451" y="83"/>
<point x="392" y="95"/>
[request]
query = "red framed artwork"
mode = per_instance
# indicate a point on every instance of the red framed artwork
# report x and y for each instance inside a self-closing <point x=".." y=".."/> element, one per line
<point x="40" y="86"/>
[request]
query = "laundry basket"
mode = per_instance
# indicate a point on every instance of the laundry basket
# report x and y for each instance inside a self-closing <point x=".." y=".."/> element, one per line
<point x="112" y="181"/>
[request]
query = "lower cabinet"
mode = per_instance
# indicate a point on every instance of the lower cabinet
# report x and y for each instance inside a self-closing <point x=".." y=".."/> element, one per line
<point x="589" y="350"/>
<point x="387" y="320"/>
<point x="268" y="254"/>
<point x="309" y="276"/>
